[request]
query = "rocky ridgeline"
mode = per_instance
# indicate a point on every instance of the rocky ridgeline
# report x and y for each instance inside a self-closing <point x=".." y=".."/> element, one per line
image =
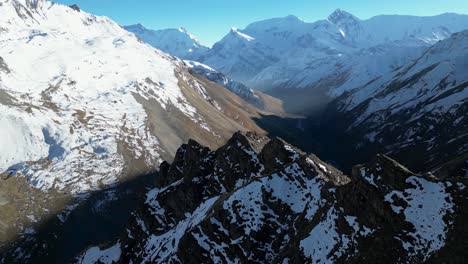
<point x="260" y="200"/>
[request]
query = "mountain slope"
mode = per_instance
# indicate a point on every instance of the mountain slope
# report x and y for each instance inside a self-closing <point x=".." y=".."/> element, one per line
<point x="296" y="60"/>
<point x="85" y="105"/>
<point x="91" y="102"/>
<point x="420" y="108"/>
<point x="182" y="44"/>
<point x="262" y="200"/>
<point x="238" y="88"/>
<point x="308" y="64"/>
<point x="178" y="42"/>
<point x="275" y="50"/>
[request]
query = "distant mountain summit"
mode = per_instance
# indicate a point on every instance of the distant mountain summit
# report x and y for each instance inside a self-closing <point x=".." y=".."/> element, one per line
<point x="178" y="42"/>
<point x="272" y="53"/>
<point x="282" y="47"/>
<point x="340" y="16"/>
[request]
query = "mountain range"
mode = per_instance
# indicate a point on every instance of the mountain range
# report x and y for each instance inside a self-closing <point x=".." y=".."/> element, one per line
<point x="85" y="105"/>
<point x="399" y="91"/>
<point x="102" y="122"/>
<point x="178" y="42"/>
<point x="417" y="113"/>
<point x="289" y="53"/>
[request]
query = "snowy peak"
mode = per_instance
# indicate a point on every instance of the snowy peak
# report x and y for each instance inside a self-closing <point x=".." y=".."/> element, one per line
<point x="14" y="9"/>
<point x="77" y="107"/>
<point x="272" y="53"/>
<point x="455" y="45"/>
<point x="236" y="33"/>
<point x="190" y="35"/>
<point x="136" y="28"/>
<point x="175" y="41"/>
<point x="141" y="29"/>
<point x="276" y="24"/>
<point x="347" y="24"/>
<point x="339" y="16"/>
<point x="183" y="30"/>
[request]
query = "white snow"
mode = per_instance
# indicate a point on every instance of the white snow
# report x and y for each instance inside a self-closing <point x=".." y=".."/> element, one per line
<point x="215" y="249"/>
<point x="242" y="35"/>
<point x="161" y="247"/>
<point x="322" y="240"/>
<point x="294" y="154"/>
<point x="290" y="187"/>
<point x="19" y="139"/>
<point x="342" y="52"/>
<point x="107" y="256"/>
<point x="178" y="42"/>
<point x="446" y="61"/>
<point x="73" y="77"/>
<point x="153" y="204"/>
<point x="215" y="76"/>
<point x="325" y="243"/>
<point x="369" y="178"/>
<point x="428" y="204"/>
<point x="361" y="229"/>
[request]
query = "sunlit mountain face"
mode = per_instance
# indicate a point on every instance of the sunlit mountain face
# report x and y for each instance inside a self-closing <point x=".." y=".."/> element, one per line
<point x="336" y="141"/>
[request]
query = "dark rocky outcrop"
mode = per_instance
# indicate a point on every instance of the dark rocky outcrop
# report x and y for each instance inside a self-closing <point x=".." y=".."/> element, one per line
<point x="75" y="7"/>
<point x="4" y="66"/>
<point x="261" y="200"/>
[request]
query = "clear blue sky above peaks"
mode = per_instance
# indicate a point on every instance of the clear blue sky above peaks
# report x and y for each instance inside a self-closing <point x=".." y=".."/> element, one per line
<point x="210" y="20"/>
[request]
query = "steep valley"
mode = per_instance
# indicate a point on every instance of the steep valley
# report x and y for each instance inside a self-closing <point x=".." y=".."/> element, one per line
<point x="335" y="141"/>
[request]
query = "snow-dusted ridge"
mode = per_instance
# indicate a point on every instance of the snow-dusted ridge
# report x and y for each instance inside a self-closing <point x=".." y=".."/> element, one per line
<point x="262" y="200"/>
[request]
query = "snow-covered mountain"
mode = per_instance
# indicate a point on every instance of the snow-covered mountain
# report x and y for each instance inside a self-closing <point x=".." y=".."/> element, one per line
<point x="264" y="201"/>
<point x="85" y="105"/>
<point x="295" y="60"/>
<point x="77" y="87"/>
<point x="184" y="45"/>
<point x="329" y="77"/>
<point x="178" y="42"/>
<point x="240" y="89"/>
<point x="271" y="53"/>
<point x="418" y="108"/>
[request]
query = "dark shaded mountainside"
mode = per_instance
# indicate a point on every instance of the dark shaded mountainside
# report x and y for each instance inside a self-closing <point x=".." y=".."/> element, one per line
<point x="261" y="200"/>
<point x="419" y="113"/>
<point x="416" y="114"/>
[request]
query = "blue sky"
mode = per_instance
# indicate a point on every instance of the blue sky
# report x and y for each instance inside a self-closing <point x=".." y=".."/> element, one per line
<point x="210" y="20"/>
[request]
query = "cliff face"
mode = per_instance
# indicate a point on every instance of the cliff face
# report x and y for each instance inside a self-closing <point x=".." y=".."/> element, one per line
<point x="260" y="200"/>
